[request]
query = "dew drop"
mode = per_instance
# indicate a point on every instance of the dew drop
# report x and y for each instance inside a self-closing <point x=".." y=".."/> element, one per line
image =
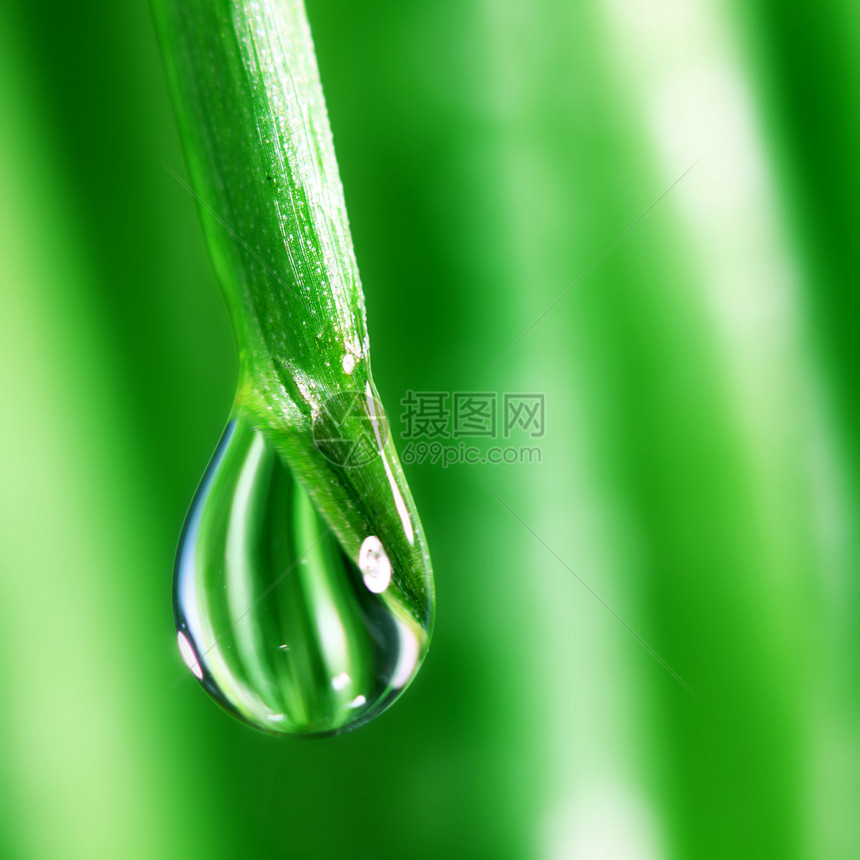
<point x="294" y="621"/>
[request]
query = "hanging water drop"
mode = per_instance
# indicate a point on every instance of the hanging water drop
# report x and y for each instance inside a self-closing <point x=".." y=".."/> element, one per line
<point x="285" y="629"/>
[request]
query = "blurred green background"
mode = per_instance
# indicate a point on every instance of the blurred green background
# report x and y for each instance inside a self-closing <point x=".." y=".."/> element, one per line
<point x="699" y="478"/>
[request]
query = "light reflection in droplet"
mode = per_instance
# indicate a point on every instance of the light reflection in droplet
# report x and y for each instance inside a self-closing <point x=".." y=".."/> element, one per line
<point x="188" y="655"/>
<point x="374" y="565"/>
<point x="340" y="681"/>
<point x="398" y="497"/>
<point x="407" y="660"/>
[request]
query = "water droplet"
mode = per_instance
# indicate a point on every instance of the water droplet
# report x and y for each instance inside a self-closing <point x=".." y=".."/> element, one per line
<point x="295" y="621"/>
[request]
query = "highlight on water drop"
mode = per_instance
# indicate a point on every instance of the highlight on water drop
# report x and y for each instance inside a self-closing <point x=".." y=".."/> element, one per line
<point x="374" y="565"/>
